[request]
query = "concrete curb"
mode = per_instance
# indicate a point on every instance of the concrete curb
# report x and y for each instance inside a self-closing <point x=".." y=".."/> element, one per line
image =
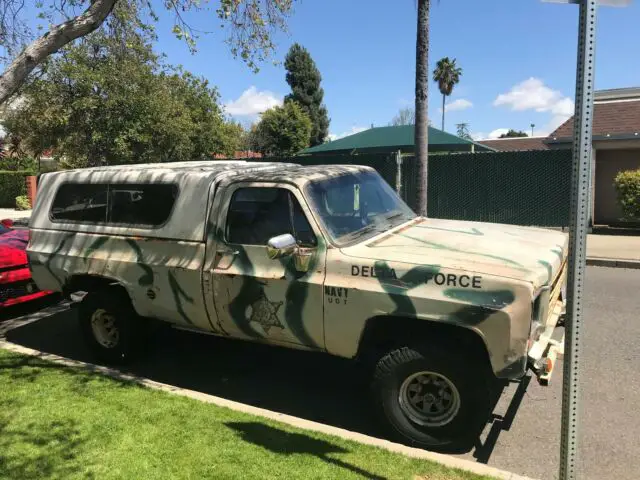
<point x="446" y="460"/>
<point x="612" y="262"/>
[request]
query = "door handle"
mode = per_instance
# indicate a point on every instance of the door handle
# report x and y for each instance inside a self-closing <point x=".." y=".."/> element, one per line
<point x="225" y="258"/>
<point x="228" y="252"/>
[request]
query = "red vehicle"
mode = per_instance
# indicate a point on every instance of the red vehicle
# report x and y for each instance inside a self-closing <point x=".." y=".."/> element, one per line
<point x="16" y="285"/>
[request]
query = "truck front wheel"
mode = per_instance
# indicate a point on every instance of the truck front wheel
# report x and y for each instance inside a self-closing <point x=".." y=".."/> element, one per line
<point x="109" y="325"/>
<point x="432" y="398"/>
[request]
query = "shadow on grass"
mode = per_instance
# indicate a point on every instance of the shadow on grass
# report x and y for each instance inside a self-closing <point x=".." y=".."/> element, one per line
<point x="40" y="451"/>
<point x="16" y="367"/>
<point x="298" y="383"/>
<point x="287" y="443"/>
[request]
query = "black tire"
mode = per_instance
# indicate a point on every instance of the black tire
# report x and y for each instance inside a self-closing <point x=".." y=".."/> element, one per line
<point x="115" y="303"/>
<point x="470" y="377"/>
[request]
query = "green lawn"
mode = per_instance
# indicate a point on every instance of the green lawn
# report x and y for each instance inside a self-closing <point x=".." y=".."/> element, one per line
<point x="61" y="422"/>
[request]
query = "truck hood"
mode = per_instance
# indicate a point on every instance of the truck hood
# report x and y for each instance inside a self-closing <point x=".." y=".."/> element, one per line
<point x="533" y="255"/>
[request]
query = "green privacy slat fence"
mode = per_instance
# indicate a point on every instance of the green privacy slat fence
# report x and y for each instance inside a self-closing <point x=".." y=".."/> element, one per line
<point x="521" y="188"/>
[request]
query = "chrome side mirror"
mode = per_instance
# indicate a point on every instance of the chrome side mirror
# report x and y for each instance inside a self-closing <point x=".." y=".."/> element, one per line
<point x="281" y="246"/>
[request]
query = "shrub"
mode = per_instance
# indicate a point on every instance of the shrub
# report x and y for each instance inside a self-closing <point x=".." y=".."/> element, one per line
<point x="18" y="164"/>
<point x="23" y="203"/>
<point x="627" y="185"/>
<point x="12" y="185"/>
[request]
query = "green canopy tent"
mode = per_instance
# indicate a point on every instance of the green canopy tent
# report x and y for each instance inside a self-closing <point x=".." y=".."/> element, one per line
<point x="392" y="139"/>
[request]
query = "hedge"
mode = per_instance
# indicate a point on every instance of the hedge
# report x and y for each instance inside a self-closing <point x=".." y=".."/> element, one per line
<point x="12" y="185"/>
<point x="628" y="187"/>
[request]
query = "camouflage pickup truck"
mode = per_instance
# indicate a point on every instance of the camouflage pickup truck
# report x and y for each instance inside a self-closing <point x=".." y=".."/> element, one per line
<point x="322" y="258"/>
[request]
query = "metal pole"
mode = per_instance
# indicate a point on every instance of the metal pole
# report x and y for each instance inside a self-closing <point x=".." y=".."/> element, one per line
<point x="580" y="194"/>
<point x="399" y="172"/>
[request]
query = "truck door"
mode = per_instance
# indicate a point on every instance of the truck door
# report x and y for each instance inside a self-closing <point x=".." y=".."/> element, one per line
<point x="271" y="300"/>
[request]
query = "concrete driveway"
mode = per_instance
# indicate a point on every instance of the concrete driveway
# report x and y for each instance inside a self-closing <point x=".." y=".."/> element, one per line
<point x="522" y="437"/>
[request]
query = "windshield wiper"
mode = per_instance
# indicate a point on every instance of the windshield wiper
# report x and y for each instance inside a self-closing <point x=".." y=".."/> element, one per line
<point x="394" y="216"/>
<point x="362" y="231"/>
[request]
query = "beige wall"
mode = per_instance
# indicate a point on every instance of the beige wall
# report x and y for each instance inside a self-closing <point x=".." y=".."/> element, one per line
<point x="609" y="163"/>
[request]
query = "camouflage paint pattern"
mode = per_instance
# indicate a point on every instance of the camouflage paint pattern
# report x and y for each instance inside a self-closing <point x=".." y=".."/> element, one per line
<point x="479" y="276"/>
<point x="246" y="281"/>
<point x="168" y="271"/>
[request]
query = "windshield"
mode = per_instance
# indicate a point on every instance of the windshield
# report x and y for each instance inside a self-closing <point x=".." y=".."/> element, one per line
<point x="357" y="205"/>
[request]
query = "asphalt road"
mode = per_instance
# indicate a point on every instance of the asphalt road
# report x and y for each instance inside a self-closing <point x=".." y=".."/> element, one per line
<point x="523" y="435"/>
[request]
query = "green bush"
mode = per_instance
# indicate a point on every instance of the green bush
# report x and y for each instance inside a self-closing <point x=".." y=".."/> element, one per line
<point x="627" y="185"/>
<point x="12" y="185"/>
<point x="19" y="164"/>
<point x="23" y="203"/>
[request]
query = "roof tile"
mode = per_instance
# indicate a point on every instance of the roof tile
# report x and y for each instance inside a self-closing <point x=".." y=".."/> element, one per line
<point x="516" y="144"/>
<point x="612" y="118"/>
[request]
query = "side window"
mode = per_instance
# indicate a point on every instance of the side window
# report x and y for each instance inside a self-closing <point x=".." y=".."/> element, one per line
<point x="141" y="204"/>
<point x="80" y="203"/>
<point x="147" y="205"/>
<point x="257" y="214"/>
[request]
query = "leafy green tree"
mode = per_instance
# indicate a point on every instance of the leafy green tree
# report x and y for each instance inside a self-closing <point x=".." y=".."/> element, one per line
<point x="462" y="130"/>
<point x="282" y="131"/>
<point x="250" y="26"/>
<point x="234" y="138"/>
<point x="110" y="100"/>
<point x="447" y="75"/>
<point x="514" y="134"/>
<point x="304" y="79"/>
<point x="421" y="99"/>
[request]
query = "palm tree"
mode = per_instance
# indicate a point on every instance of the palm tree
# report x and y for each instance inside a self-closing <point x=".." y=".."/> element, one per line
<point x="447" y="74"/>
<point x="422" y="91"/>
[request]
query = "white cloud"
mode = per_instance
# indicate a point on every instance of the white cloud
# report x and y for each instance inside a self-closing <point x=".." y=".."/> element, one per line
<point x="252" y="102"/>
<point x="496" y="133"/>
<point x="533" y="94"/>
<point x="459" y="104"/>
<point x="489" y="136"/>
<point x="352" y="131"/>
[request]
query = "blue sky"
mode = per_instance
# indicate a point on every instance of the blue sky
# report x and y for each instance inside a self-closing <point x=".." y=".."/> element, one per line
<point x="518" y="59"/>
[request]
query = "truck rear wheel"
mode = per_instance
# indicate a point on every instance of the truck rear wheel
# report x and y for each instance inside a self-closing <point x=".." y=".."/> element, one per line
<point x="432" y="398"/>
<point x="109" y="325"/>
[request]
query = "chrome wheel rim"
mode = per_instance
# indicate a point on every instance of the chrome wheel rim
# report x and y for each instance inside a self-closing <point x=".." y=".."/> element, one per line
<point x="429" y="399"/>
<point x="104" y="328"/>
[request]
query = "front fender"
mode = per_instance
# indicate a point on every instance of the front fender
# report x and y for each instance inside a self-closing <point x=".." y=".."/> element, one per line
<point x="497" y="309"/>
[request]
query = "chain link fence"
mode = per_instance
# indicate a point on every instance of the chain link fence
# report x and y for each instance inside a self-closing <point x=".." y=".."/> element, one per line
<point x="521" y="188"/>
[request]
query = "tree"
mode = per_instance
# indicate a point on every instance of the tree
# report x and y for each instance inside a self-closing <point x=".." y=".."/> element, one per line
<point x="462" y="130"/>
<point x="304" y="79"/>
<point x="250" y="23"/>
<point x="282" y="131"/>
<point x="447" y="75"/>
<point x="422" y="93"/>
<point x="109" y="100"/>
<point x="405" y="116"/>
<point x="514" y="133"/>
